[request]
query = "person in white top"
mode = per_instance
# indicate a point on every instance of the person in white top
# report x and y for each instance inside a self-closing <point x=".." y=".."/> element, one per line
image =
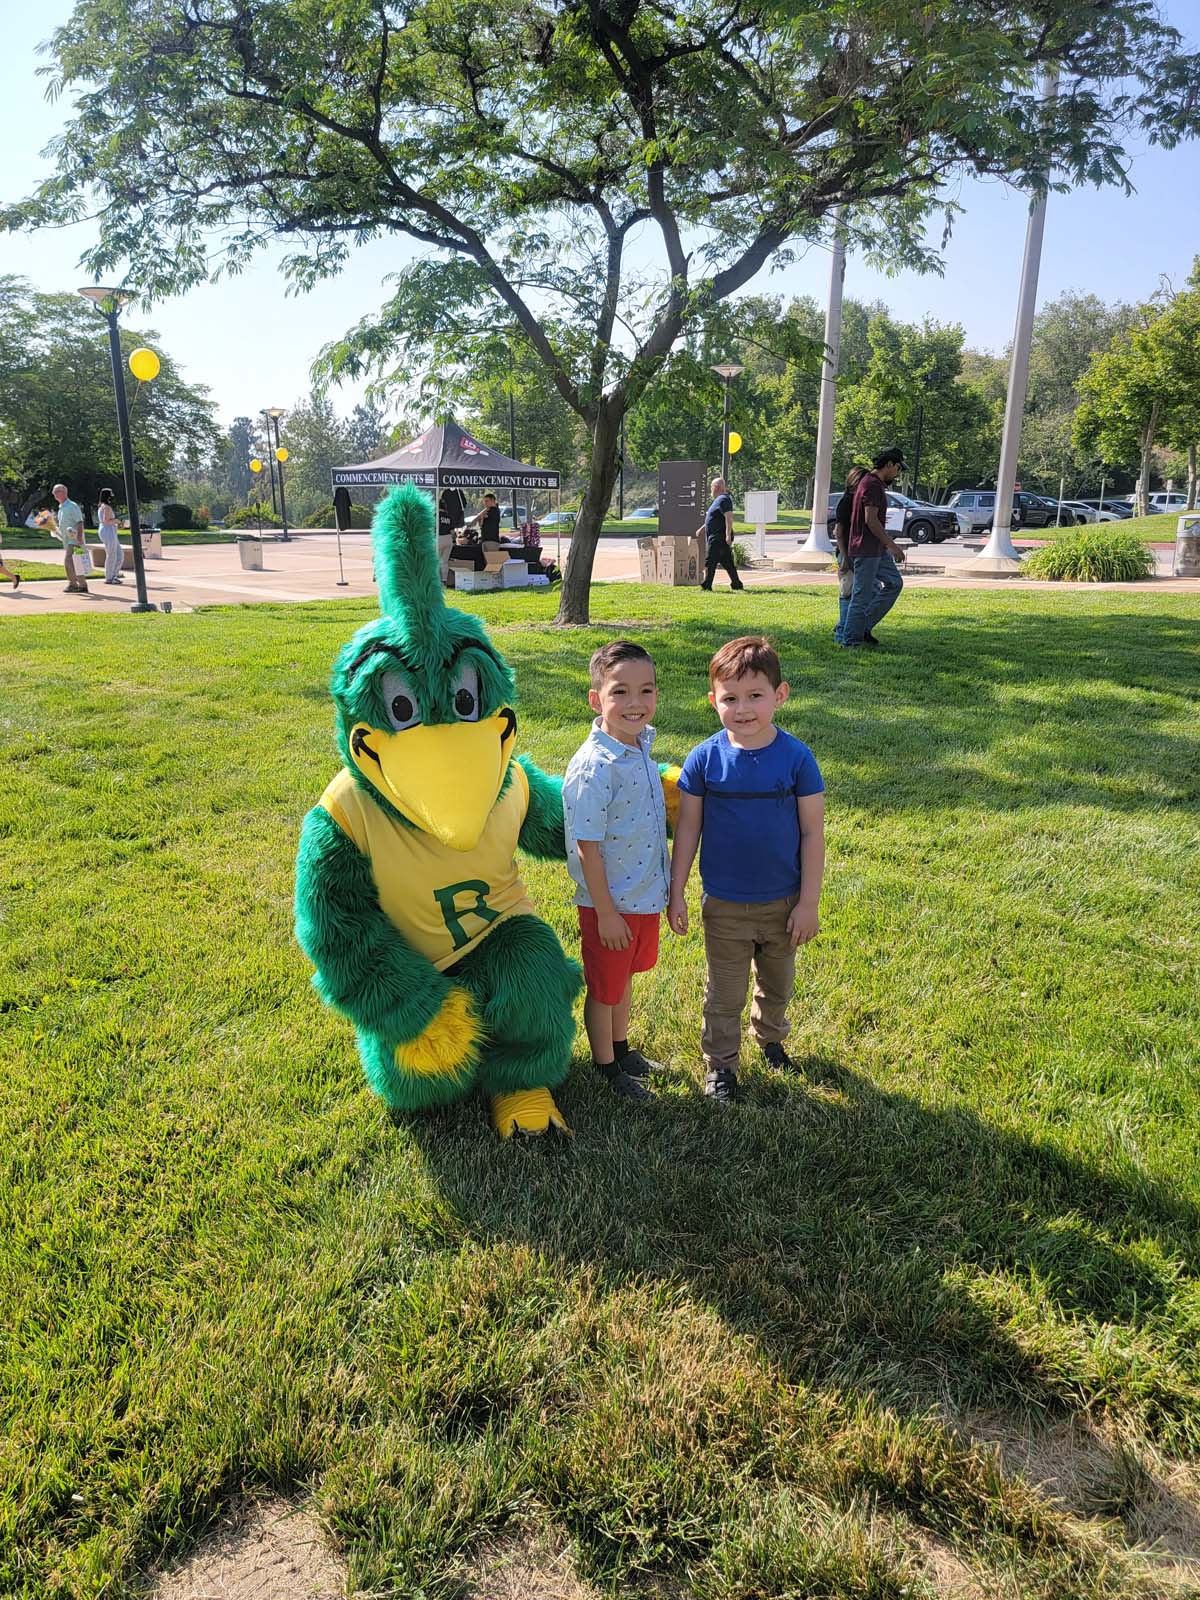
<point x="113" y="554"/>
<point x="70" y="531"/>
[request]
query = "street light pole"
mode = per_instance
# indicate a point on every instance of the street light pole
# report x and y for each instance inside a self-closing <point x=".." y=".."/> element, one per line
<point x="108" y="303"/>
<point x="818" y="540"/>
<point x="999" y="554"/>
<point x="273" y="414"/>
<point x="727" y="371"/>
<point x="270" y="461"/>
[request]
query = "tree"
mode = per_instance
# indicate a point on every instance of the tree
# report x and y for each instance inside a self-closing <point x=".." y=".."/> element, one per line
<point x="1144" y="387"/>
<point x="367" y="430"/>
<point x="544" y="425"/>
<point x="58" y="412"/>
<point x="318" y="441"/>
<point x="912" y="388"/>
<point x="523" y="147"/>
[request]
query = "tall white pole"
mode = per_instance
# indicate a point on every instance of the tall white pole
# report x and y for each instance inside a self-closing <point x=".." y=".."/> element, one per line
<point x="999" y="554"/>
<point x="818" y="539"/>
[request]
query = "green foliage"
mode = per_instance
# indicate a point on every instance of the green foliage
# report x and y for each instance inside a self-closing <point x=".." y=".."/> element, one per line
<point x="727" y="1357"/>
<point x="734" y="135"/>
<point x="253" y="516"/>
<point x="323" y="517"/>
<point x="175" y="515"/>
<point x="56" y="401"/>
<point x="318" y="441"/>
<point x="1100" y="553"/>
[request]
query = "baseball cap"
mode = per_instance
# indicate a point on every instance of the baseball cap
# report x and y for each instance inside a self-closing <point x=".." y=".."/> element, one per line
<point x="887" y="458"/>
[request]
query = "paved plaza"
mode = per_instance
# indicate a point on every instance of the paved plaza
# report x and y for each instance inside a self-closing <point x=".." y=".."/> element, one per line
<point x="307" y="568"/>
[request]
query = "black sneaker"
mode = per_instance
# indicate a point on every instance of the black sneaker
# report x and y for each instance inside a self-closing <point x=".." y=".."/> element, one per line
<point x="722" y="1086"/>
<point x="778" y="1058"/>
<point x="636" y="1065"/>
<point x="869" y="638"/>
<point x="627" y="1088"/>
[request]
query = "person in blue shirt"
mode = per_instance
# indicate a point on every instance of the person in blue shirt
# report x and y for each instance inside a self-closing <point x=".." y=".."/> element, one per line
<point x="753" y="800"/>
<point x="718" y="531"/>
<point x="616" y="828"/>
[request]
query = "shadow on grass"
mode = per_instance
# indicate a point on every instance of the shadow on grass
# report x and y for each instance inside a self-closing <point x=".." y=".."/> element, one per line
<point x="865" y="1241"/>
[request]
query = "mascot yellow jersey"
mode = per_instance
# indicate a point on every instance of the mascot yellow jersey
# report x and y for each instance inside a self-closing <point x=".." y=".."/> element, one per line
<point x="443" y="901"/>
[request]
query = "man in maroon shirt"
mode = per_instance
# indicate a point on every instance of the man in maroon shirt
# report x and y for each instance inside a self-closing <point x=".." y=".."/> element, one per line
<point x="873" y="553"/>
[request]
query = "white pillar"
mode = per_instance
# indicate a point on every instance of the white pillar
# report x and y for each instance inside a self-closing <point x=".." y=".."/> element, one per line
<point x="1000" y="554"/>
<point x="818" y="540"/>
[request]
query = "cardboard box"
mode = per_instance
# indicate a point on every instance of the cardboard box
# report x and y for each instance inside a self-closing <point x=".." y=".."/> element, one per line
<point x="514" y="575"/>
<point x="648" y="560"/>
<point x="679" y="562"/>
<point x="474" y="582"/>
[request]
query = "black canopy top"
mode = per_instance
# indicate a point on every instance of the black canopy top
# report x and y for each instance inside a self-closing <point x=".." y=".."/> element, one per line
<point x="446" y="458"/>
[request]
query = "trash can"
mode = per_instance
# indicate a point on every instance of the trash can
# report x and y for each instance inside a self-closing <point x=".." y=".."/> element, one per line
<point x="250" y="550"/>
<point x="1187" y="547"/>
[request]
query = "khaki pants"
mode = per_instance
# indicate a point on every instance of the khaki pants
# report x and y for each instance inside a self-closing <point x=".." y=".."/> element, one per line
<point x="737" y="937"/>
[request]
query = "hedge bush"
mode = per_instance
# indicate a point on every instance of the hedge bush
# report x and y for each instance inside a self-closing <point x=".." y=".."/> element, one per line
<point x="252" y="517"/>
<point x="1092" y="555"/>
<point x="323" y="517"/>
<point x="176" y="515"/>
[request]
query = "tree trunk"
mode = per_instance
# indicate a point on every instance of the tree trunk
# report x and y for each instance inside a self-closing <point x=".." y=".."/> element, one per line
<point x="573" y="605"/>
<point x="1148" y="433"/>
<point x="1191" y="492"/>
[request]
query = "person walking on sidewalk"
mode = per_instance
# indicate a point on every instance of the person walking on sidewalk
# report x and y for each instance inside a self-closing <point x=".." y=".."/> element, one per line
<point x="70" y="531"/>
<point x="114" y="556"/>
<point x="873" y="553"/>
<point x="718" y="530"/>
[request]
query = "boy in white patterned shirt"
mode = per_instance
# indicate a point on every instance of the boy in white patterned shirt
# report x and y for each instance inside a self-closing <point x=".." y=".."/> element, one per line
<point x="616" y="829"/>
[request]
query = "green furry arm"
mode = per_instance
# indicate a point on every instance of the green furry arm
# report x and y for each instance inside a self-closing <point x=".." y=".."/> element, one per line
<point x="542" y="832"/>
<point x="365" y="969"/>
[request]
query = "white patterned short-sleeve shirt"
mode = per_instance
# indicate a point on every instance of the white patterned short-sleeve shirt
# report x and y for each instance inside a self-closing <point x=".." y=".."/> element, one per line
<point x="612" y="795"/>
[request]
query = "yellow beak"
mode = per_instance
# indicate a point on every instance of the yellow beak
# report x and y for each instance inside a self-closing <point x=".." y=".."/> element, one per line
<point x="444" y="778"/>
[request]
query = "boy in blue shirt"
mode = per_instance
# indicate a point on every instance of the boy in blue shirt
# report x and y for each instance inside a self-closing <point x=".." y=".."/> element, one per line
<point x="753" y="800"/>
<point x="616" y="828"/>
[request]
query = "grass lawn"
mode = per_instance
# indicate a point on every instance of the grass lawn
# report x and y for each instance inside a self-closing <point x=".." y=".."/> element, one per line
<point x="731" y="1356"/>
<point x="1156" y="528"/>
<point x="36" y="571"/>
<point x="36" y="539"/>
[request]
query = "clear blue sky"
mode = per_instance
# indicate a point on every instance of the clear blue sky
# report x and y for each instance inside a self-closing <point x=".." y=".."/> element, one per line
<point x="252" y="345"/>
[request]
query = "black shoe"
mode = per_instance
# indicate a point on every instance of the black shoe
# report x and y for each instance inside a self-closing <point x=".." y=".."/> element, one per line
<point x="620" y="1082"/>
<point x="635" y="1065"/>
<point x="778" y="1058"/>
<point x="722" y="1086"/>
<point x="707" y="587"/>
<point x="736" y="586"/>
<point x="627" y="1088"/>
<point x="869" y="638"/>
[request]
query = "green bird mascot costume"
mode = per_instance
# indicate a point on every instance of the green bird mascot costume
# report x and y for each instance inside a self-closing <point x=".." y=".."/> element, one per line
<point x="408" y="899"/>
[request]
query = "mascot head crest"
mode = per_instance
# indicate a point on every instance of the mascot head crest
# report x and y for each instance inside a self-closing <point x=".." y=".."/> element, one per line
<point x="425" y="701"/>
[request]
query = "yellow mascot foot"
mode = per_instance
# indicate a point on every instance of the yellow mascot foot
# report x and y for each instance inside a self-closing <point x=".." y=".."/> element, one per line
<point x="528" y="1111"/>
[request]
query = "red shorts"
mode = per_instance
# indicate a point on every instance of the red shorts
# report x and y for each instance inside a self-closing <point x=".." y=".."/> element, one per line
<point x="608" y="971"/>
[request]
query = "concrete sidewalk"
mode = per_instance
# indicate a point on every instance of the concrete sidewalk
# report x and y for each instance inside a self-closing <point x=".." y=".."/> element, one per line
<point x="306" y="568"/>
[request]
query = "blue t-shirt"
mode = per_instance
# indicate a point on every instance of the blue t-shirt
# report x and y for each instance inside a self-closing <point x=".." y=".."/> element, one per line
<point x="750" y="840"/>
<point x="714" y="517"/>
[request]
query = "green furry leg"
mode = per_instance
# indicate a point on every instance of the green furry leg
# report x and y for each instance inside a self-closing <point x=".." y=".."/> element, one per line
<point x="524" y="987"/>
<point x="408" y="1091"/>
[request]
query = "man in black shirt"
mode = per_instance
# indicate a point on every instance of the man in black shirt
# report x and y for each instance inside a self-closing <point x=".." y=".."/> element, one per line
<point x="718" y="530"/>
<point x="487" y="520"/>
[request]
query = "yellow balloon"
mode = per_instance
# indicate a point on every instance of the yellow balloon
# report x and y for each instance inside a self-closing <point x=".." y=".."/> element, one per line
<point x="735" y="443"/>
<point x="256" y="465"/>
<point x="144" y="365"/>
<point x="282" y="453"/>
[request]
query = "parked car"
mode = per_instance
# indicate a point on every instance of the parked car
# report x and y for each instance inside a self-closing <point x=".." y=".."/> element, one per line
<point x="975" y="507"/>
<point x="920" y="521"/>
<point x="1107" y="510"/>
<point x="1164" y="500"/>
<point x="644" y="513"/>
<point x="1086" y="513"/>
<point x="1039" y="511"/>
<point x="506" y="516"/>
<point x="559" y="519"/>
<point x="913" y="519"/>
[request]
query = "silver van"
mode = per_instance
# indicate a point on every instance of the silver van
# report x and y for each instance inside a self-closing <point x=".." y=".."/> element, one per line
<point x="974" y="506"/>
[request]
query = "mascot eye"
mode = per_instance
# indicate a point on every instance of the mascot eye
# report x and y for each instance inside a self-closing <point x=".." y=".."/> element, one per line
<point x="400" y="699"/>
<point x="466" y="695"/>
